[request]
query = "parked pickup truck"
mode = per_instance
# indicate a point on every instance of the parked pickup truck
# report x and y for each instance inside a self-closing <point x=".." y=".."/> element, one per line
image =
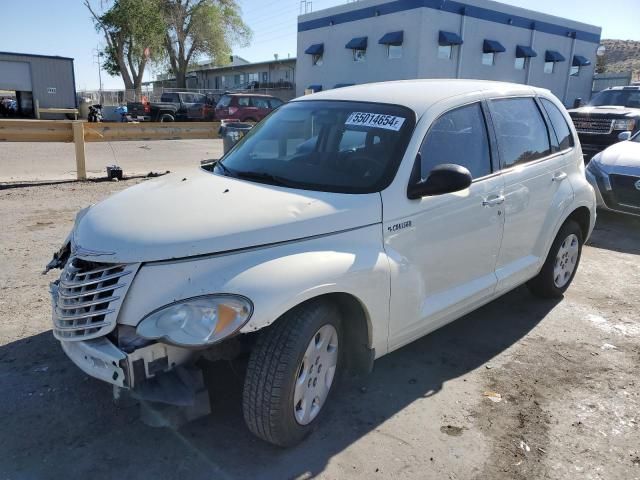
<point x="609" y="113"/>
<point x="173" y="106"/>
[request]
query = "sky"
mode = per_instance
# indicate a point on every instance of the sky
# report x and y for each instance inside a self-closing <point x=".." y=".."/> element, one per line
<point x="64" y="27"/>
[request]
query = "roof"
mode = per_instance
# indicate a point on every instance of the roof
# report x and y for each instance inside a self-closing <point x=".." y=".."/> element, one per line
<point x="16" y="54"/>
<point x="247" y="94"/>
<point x="419" y="95"/>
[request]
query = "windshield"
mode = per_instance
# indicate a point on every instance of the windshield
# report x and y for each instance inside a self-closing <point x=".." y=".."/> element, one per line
<point x="337" y="146"/>
<point x="623" y="98"/>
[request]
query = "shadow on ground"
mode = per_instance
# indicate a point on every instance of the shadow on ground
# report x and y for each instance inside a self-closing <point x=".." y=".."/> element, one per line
<point x="57" y="422"/>
<point x="618" y="232"/>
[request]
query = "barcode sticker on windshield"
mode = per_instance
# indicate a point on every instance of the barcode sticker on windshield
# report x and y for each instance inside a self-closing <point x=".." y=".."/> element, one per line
<point x="375" y="120"/>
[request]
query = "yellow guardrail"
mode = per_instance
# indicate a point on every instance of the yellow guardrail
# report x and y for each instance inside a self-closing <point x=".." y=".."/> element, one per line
<point x="79" y="132"/>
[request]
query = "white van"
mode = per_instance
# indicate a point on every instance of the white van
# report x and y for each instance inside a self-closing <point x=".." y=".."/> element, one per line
<point x="345" y="225"/>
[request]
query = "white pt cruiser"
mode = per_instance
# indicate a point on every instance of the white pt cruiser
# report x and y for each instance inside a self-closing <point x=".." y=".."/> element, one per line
<point x="345" y="225"/>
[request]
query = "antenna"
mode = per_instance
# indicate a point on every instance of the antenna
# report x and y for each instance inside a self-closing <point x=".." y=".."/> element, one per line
<point x="306" y="6"/>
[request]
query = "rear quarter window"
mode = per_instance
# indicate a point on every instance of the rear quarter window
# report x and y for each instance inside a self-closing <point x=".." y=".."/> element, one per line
<point x="562" y="130"/>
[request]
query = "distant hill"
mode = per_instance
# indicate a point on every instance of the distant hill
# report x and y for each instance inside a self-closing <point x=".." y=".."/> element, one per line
<point x="622" y="56"/>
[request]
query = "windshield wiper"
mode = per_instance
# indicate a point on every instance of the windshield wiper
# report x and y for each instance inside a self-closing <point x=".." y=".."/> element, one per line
<point x="227" y="171"/>
<point x="267" y="178"/>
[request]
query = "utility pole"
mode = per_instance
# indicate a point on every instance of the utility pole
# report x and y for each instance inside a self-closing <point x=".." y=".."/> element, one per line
<point x="97" y="58"/>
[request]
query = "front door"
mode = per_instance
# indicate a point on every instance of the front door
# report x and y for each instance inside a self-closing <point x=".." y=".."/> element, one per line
<point x="444" y="248"/>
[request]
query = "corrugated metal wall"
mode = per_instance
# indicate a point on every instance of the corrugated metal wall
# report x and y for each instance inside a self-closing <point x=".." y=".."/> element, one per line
<point x="52" y="79"/>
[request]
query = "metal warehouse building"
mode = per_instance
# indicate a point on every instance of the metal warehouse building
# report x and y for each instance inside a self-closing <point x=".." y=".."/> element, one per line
<point x="46" y="79"/>
<point x="378" y="40"/>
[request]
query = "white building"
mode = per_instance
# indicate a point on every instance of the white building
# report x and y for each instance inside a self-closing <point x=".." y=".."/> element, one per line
<point x="377" y="40"/>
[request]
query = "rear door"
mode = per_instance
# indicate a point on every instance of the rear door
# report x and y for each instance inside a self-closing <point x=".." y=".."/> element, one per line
<point x="445" y="246"/>
<point x="536" y="188"/>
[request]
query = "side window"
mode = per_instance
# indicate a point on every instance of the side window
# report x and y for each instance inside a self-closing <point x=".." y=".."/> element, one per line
<point x="460" y="137"/>
<point x="243" y="101"/>
<point x="563" y="132"/>
<point x="521" y="131"/>
<point x="260" y="102"/>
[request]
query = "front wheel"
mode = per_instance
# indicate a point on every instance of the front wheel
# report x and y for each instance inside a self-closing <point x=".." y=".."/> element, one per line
<point x="165" y="117"/>
<point x="291" y="372"/>
<point x="561" y="264"/>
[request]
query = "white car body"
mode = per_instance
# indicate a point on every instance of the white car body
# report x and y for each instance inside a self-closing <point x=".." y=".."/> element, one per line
<point x="615" y="176"/>
<point x="411" y="266"/>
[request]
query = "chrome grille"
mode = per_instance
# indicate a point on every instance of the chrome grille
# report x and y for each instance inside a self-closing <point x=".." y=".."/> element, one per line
<point x="598" y="126"/>
<point x="87" y="298"/>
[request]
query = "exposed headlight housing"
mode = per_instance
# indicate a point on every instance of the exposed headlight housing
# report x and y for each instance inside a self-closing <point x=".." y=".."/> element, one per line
<point x="624" y="124"/>
<point x="197" y="321"/>
<point x="594" y="168"/>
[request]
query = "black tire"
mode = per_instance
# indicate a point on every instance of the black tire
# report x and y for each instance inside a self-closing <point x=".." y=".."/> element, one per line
<point x="250" y="120"/>
<point x="543" y="285"/>
<point x="274" y="367"/>
<point x="166" y="117"/>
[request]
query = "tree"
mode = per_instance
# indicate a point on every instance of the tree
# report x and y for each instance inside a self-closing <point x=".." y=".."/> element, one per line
<point x="196" y="28"/>
<point x="134" y="31"/>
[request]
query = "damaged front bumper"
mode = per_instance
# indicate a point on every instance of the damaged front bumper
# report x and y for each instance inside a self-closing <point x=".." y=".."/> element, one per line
<point x="101" y="359"/>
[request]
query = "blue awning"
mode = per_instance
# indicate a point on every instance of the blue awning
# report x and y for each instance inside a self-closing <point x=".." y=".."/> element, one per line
<point x="553" y="56"/>
<point x="392" y="38"/>
<point x="449" y="38"/>
<point x="492" y="46"/>
<point x="580" y="61"/>
<point x="315" y="88"/>
<point x="315" y="49"/>
<point x="340" y="85"/>
<point x="523" y="51"/>
<point x="358" y="43"/>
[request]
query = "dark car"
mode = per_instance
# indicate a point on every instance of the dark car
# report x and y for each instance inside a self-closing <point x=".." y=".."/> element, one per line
<point x="246" y="107"/>
<point x="173" y="106"/>
<point x="608" y="114"/>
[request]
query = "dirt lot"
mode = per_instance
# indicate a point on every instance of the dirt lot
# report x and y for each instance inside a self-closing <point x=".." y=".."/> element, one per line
<point x="566" y="374"/>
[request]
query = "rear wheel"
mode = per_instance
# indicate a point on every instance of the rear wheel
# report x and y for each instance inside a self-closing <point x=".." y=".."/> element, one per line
<point x="561" y="264"/>
<point x="291" y="372"/>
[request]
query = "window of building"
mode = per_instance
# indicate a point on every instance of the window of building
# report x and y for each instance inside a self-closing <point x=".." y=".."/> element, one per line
<point x="394" y="51"/>
<point x="521" y="63"/>
<point x="575" y="70"/>
<point x="359" y="55"/>
<point x="317" y="59"/>
<point x="549" y="67"/>
<point x="445" y="51"/>
<point x="520" y="129"/>
<point x="559" y="123"/>
<point x="458" y="136"/>
<point x="488" y="58"/>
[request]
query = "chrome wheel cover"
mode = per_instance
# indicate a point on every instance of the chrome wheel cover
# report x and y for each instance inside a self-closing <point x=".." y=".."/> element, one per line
<point x="566" y="260"/>
<point x="315" y="374"/>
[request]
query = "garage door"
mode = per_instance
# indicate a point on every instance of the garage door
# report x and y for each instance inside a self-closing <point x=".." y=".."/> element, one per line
<point x="15" y="76"/>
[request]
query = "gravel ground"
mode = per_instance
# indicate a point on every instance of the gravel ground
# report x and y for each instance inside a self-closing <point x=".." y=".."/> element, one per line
<point x="520" y="389"/>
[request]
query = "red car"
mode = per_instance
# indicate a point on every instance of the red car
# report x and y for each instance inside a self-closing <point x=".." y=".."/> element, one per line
<point x="246" y="107"/>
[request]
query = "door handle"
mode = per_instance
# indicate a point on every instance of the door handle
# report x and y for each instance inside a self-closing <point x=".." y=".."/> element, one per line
<point x="491" y="201"/>
<point x="559" y="176"/>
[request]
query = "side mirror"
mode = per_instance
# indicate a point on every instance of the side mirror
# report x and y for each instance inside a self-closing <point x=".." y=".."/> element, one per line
<point x="577" y="103"/>
<point x="623" y="136"/>
<point x="444" y="178"/>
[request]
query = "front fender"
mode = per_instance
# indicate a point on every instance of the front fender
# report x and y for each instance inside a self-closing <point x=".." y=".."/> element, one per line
<point x="276" y="279"/>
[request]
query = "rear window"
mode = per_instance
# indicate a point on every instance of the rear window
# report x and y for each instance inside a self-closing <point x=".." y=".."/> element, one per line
<point x="521" y="131"/>
<point x="224" y="101"/>
<point x="170" y="97"/>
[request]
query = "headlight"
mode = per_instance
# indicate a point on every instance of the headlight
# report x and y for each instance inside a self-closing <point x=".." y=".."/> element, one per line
<point x="594" y="168"/>
<point x="197" y="321"/>
<point x="623" y="124"/>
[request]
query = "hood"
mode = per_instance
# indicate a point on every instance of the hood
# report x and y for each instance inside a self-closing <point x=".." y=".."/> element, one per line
<point x="613" y="110"/>
<point x="622" y="157"/>
<point x="198" y="212"/>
